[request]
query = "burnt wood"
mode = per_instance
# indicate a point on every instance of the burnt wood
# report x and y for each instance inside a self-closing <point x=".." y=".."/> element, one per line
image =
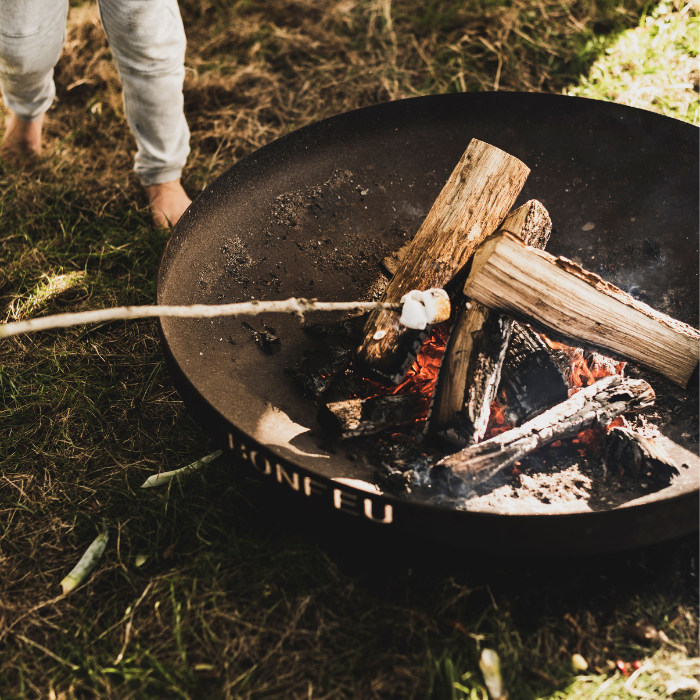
<point x="477" y="197"/>
<point x="594" y="406"/>
<point x="354" y="417"/>
<point x="579" y="307"/>
<point x="471" y="369"/>
<point x="625" y="452"/>
<point x="531" y="380"/>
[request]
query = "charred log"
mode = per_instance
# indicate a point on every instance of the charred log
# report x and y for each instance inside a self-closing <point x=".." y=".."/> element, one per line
<point x="625" y="452"/>
<point x="471" y="369"/>
<point x="317" y="371"/>
<point x="579" y="308"/>
<point x="475" y="200"/>
<point x="594" y="406"/>
<point x="355" y="417"/>
<point x="531" y="381"/>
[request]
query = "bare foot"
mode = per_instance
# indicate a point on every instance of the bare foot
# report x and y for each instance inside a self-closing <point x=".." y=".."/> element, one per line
<point x="21" y="139"/>
<point x="167" y="203"/>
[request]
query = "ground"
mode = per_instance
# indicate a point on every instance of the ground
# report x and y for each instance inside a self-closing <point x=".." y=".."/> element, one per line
<point x="233" y="600"/>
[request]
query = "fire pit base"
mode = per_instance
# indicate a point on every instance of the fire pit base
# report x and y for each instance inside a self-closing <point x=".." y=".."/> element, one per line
<point x="315" y="213"/>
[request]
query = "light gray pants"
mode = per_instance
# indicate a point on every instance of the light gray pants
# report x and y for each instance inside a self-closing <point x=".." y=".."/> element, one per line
<point x="148" y="44"/>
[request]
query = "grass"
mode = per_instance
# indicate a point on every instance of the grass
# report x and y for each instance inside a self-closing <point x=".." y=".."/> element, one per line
<point x="236" y="600"/>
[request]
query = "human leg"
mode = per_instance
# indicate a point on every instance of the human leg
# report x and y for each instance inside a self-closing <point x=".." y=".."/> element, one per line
<point x="148" y="43"/>
<point x="32" y="34"/>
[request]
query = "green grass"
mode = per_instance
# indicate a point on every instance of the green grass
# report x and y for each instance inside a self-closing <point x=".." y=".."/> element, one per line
<point x="236" y="599"/>
<point x="654" y="66"/>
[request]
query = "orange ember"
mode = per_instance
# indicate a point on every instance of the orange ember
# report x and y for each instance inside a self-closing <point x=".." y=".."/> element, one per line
<point x="584" y="372"/>
<point x="422" y="376"/>
<point x="497" y="419"/>
<point x="588" y="440"/>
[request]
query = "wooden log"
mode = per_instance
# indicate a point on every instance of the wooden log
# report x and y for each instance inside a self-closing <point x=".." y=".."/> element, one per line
<point x="594" y="406"/>
<point x="531" y="380"/>
<point x="625" y="452"/>
<point x="578" y="307"/>
<point x="355" y="417"/>
<point x="391" y="262"/>
<point x="524" y="218"/>
<point x="471" y="369"/>
<point x="477" y="197"/>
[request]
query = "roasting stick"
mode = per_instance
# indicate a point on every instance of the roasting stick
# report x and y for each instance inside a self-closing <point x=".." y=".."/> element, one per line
<point x="248" y="308"/>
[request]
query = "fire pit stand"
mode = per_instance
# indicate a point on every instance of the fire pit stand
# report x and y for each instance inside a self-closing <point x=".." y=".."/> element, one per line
<point x="314" y="214"/>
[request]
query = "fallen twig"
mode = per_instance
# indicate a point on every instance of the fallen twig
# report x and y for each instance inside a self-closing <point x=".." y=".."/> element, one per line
<point x="87" y="561"/>
<point x="164" y="477"/>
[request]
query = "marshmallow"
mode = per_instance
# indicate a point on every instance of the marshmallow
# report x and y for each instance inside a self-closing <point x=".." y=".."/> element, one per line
<point x="421" y="308"/>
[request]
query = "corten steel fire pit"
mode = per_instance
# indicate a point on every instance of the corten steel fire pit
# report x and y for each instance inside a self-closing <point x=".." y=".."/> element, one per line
<point x="313" y="213"/>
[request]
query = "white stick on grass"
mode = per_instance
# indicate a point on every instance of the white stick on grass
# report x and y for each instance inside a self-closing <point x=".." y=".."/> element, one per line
<point x="87" y="561"/>
<point x="246" y="308"/>
<point x="164" y="477"/>
<point x="490" y="666"/>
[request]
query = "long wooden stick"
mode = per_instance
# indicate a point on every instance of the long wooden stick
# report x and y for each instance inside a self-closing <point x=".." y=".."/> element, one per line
<point x="246" y="308"/>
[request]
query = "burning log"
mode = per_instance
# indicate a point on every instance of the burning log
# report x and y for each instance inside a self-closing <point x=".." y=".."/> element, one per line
<point x="579" y="307"/>
<point x="531" y="380"/>
<point x="354" y="417"/>
<point x="594" y="406"/>
<point x="471" y="369"/>
<point x="475" y="200"/>
<point x="623" y="449"/>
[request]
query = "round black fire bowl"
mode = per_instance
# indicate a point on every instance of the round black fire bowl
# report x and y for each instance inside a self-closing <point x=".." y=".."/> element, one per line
<point x="313" y="213"/>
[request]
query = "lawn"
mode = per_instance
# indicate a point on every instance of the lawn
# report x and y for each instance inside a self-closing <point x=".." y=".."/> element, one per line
<point x="202" y="591"/>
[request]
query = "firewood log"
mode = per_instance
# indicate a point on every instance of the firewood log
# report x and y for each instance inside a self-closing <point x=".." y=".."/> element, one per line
<point x="627" y="453"/>
<point x="477" y="197"/>
<point x="578" y="307"/>
<point x="531" y="380"/>
<point x="471" y="369"/>
<point x="354" y="417"/>
<point x="594" y="406"/>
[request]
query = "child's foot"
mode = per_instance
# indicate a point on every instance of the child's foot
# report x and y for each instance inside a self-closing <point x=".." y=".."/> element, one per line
<point x="167" y="203"/>
<point x="21" y="139"/>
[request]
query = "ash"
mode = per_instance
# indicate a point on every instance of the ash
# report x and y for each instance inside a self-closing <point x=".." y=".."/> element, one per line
<point x="402" y="461"/>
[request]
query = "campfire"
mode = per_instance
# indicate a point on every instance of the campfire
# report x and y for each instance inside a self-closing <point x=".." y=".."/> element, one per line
<point x="532" y="359"/>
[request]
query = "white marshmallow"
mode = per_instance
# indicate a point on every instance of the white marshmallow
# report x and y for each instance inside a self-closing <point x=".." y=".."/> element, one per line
<point x="421" y="308"/>
<point x="413" y="314"/>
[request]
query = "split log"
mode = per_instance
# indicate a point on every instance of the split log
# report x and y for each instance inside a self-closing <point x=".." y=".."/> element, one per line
<point x="355" y="417"/>
<point x="477" y="197"/>
<point x="625" y="451"/>
<point x="391" y="262"/>
<point x="531" y="379"/>
<point x="471" y="369"/>
<point x="578" y="307"/>
<point x="594" y="406"/>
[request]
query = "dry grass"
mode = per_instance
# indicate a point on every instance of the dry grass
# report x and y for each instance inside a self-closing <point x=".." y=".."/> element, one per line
<point x="230" y="604"/>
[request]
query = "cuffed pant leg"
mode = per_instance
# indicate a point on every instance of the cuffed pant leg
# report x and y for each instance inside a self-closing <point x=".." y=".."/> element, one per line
<point x="148" y="43"/>
<point x="32" y="34"/>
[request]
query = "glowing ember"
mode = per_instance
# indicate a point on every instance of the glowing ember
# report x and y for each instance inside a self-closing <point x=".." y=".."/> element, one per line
<point x="422" y="376"/>
<point x="497" y="419"/>
<point x="584" y="372"/>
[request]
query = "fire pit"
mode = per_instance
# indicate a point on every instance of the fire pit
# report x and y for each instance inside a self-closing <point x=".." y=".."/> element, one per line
<point x="315" y="213"/>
